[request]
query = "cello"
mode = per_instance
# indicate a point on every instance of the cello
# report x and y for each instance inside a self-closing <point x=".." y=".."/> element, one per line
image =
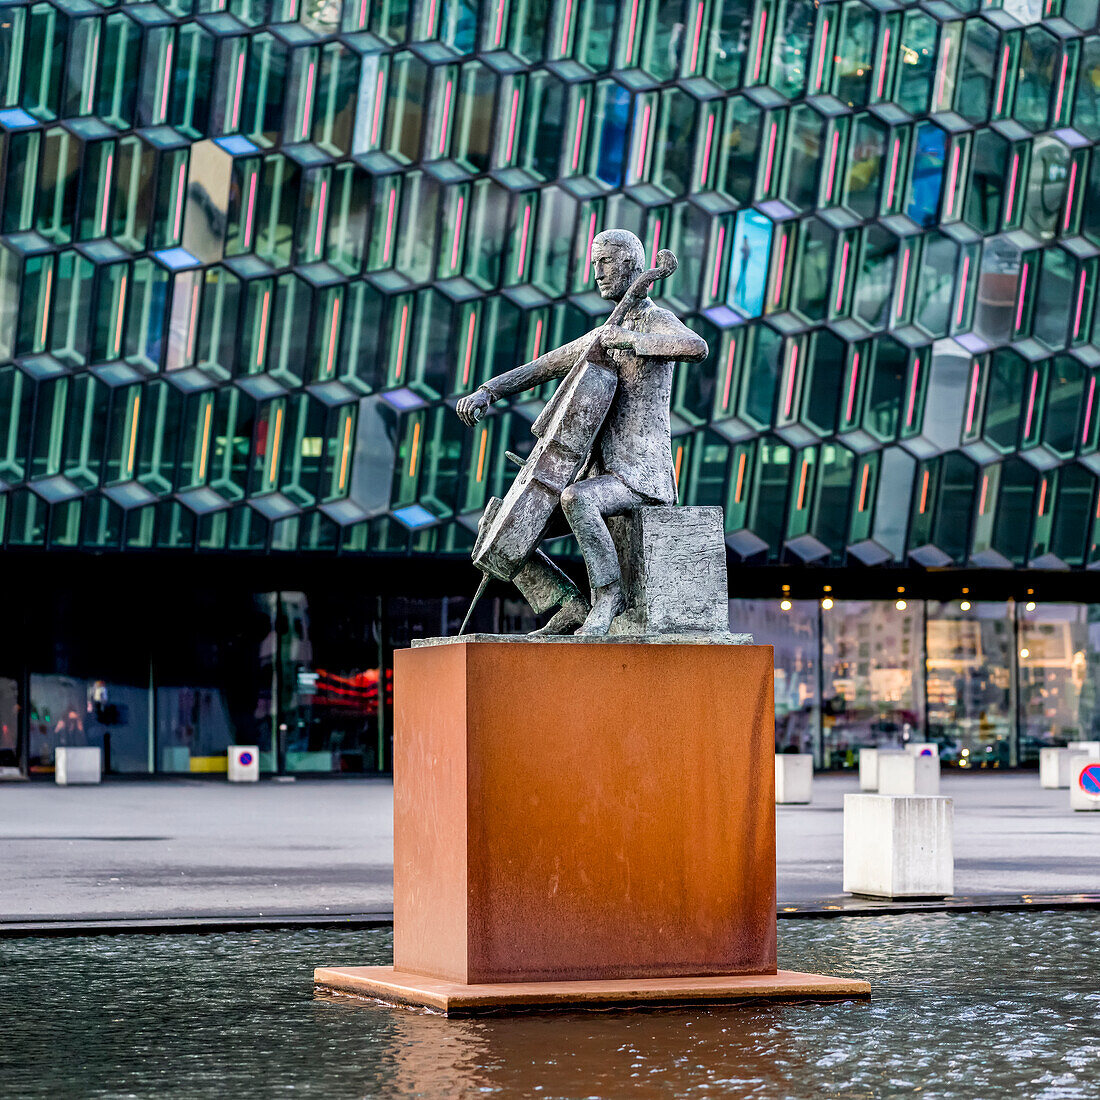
<point x="512" y="528"/>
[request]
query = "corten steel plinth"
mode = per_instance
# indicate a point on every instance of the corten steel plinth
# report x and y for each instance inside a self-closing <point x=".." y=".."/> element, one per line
<point x="580" y="825"/>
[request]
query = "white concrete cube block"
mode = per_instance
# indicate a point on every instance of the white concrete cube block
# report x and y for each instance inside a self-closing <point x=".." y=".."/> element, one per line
<point x="77" y="765"/>
<point x="244" y="763"/>
<point x="794" y="777"/>
<point x="1054" y="763"/>
<point x="1084" y="783"/>
<point x="904" y="773"/>
<point x="898" y="846"/>
<point x="868" y="767"/>
<point x="923" y="748"/>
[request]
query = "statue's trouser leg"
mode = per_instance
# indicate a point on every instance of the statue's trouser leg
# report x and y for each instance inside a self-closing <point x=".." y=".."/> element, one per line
<point x="585" y="504"/>
<point x="543" y="585"/>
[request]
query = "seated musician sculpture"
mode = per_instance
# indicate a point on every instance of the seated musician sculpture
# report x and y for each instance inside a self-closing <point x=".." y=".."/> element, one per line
<point x="606" y="427"/>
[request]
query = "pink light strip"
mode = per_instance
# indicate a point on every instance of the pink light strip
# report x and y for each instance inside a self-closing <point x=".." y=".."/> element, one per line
<point x="962" y="291"/>
<point x="913" y="393"/>
<point x="251" y="210"/>
<point x="377" y="109"/>
<point x="656" y="239"/>
<point x="718" y="261"/>
<point x="500" y="24"/>
<point x="239" y="91"/>
<point x="389" y="226"/>
<point x="537" y="347"/>
<point x="630" y="33"/>
<point x="698" y="32"/>
<point x="106" y="192"/>
<point x="949" y="206"/>
<point x="902" y="282"/>
<point x="194" y="321"/>
<point x="1002" y="81"/>
<point x="458" y="235"/>
<point x="1031" y="403"/>
<point x="512" y="123"/>
<point x="1088" y="410"/>
<point x="893" y="173"/>
<point x="850" y="408"/>
<point x="760" y="44"/>
<point x="577" y="136"/>
<point x="639" y="170"/>
<point x="1023" y="298"/>
<point x="332" y="335"/>
<point x="320" y="217"/>
<point x="706" y="151"/>
<point x="791" y="369"/>
<point x="779" y="269"/>
<point x="1069" y="195"/>
<point x="832" y="166"/>
<point x="729" y="375"/>
<point x="985" y="490"/>
<point x="1012" y="188"/>
<point x="843" y="273"/>
<point x="883" y="60"/>
<point x="446" y="117"/>
<point x="164" y="86"/>
<point x="523" y="241"/>
<point x="179" y="203"/>
<point x="771" y="155"/>
<point x="821" y="54"/>
<point x="469" y="348"/>
<point x="973" y="398"/>
<point x="430" y="30"/>
<point x="1061" y="88"/>
<point x="1080" y="306"/>
<point x="565" y="27"/>
<point x="942" y="78"/>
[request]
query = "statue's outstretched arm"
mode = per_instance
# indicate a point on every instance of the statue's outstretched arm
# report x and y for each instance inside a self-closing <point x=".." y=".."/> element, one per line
<point x="669" y="338"/>
<point x="554" y="364"/>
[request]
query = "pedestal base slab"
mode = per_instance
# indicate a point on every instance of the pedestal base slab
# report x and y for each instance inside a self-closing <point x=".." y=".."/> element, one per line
<point x="383" y="983"/>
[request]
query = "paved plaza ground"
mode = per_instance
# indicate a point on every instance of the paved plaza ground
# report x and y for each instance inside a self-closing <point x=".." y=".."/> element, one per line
<point x="202" y="848"/>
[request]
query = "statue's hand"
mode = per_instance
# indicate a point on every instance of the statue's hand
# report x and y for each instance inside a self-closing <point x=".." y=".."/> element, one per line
<point x="615" y="336"/>
<point x="471" y="407"/>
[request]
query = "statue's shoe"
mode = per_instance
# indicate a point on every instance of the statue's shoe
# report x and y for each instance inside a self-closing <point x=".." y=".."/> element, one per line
<point x="564" y="621"/>
<point x="600" y="618"/>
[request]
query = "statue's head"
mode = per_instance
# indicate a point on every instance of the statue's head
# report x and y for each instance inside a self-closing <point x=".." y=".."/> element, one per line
<point x="618" y="258"/>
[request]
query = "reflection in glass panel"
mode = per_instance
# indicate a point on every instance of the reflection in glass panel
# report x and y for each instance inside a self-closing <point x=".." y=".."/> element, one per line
<point x="971" y="710"/>
<point x="873" y="677"/>
<point x="794" y="636"/>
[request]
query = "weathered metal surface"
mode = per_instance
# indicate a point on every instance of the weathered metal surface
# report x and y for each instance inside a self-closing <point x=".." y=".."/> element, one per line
<point x="546" y="841"/>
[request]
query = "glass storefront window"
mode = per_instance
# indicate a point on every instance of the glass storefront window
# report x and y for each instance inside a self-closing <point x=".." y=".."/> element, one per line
<point x="872" y="655"/>
<point x="971" y="695"/>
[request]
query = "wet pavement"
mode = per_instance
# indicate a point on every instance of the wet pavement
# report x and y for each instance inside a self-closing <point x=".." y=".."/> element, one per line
<point x="979" y="1005"/>
<point x="189" y="849"/>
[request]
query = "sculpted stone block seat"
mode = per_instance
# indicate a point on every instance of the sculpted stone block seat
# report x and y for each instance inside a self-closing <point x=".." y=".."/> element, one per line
<point x="673" y="562"/>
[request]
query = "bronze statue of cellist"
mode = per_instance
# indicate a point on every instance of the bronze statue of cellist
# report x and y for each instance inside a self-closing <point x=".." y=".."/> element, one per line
<point x="627" y="366"/>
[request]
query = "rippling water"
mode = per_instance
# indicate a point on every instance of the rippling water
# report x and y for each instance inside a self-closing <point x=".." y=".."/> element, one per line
<point x="976" y="1006"/>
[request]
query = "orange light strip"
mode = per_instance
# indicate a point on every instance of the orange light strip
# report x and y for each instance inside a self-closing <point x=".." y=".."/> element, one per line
<point x="46" y="304"/>
<point x="274" y="473"/>
<point x="1042" y="496"/>
<point x="262" y="345"/>
<point x="133" y="435"/>
<point x="481" y="454"/>
<point x="415" y="448"/>
<point x="346" y="452"/>
<point x="679" y="459"/>
<point x="118" y="317"/>
<point x="740" y="478"/>
<point x="924" y="493"/>
<point x="205" y="440"/>
<point x="332" y="335"/>
<point x="863" y="488"/>
<point x="802" y="483"/>
<point x="401" y="341"/>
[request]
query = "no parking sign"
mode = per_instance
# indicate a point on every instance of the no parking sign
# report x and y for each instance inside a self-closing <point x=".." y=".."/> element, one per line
<point x="1089" y="781"/>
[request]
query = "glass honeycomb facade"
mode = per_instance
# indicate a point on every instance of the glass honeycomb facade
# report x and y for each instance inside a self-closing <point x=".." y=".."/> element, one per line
<point x="251" y="254"/>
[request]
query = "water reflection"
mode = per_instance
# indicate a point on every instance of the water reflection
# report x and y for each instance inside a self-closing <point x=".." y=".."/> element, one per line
<point x="990" y="1005"/>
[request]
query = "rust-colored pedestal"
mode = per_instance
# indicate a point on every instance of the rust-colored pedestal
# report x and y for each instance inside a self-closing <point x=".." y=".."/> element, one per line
<point x="581" y="824"/>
